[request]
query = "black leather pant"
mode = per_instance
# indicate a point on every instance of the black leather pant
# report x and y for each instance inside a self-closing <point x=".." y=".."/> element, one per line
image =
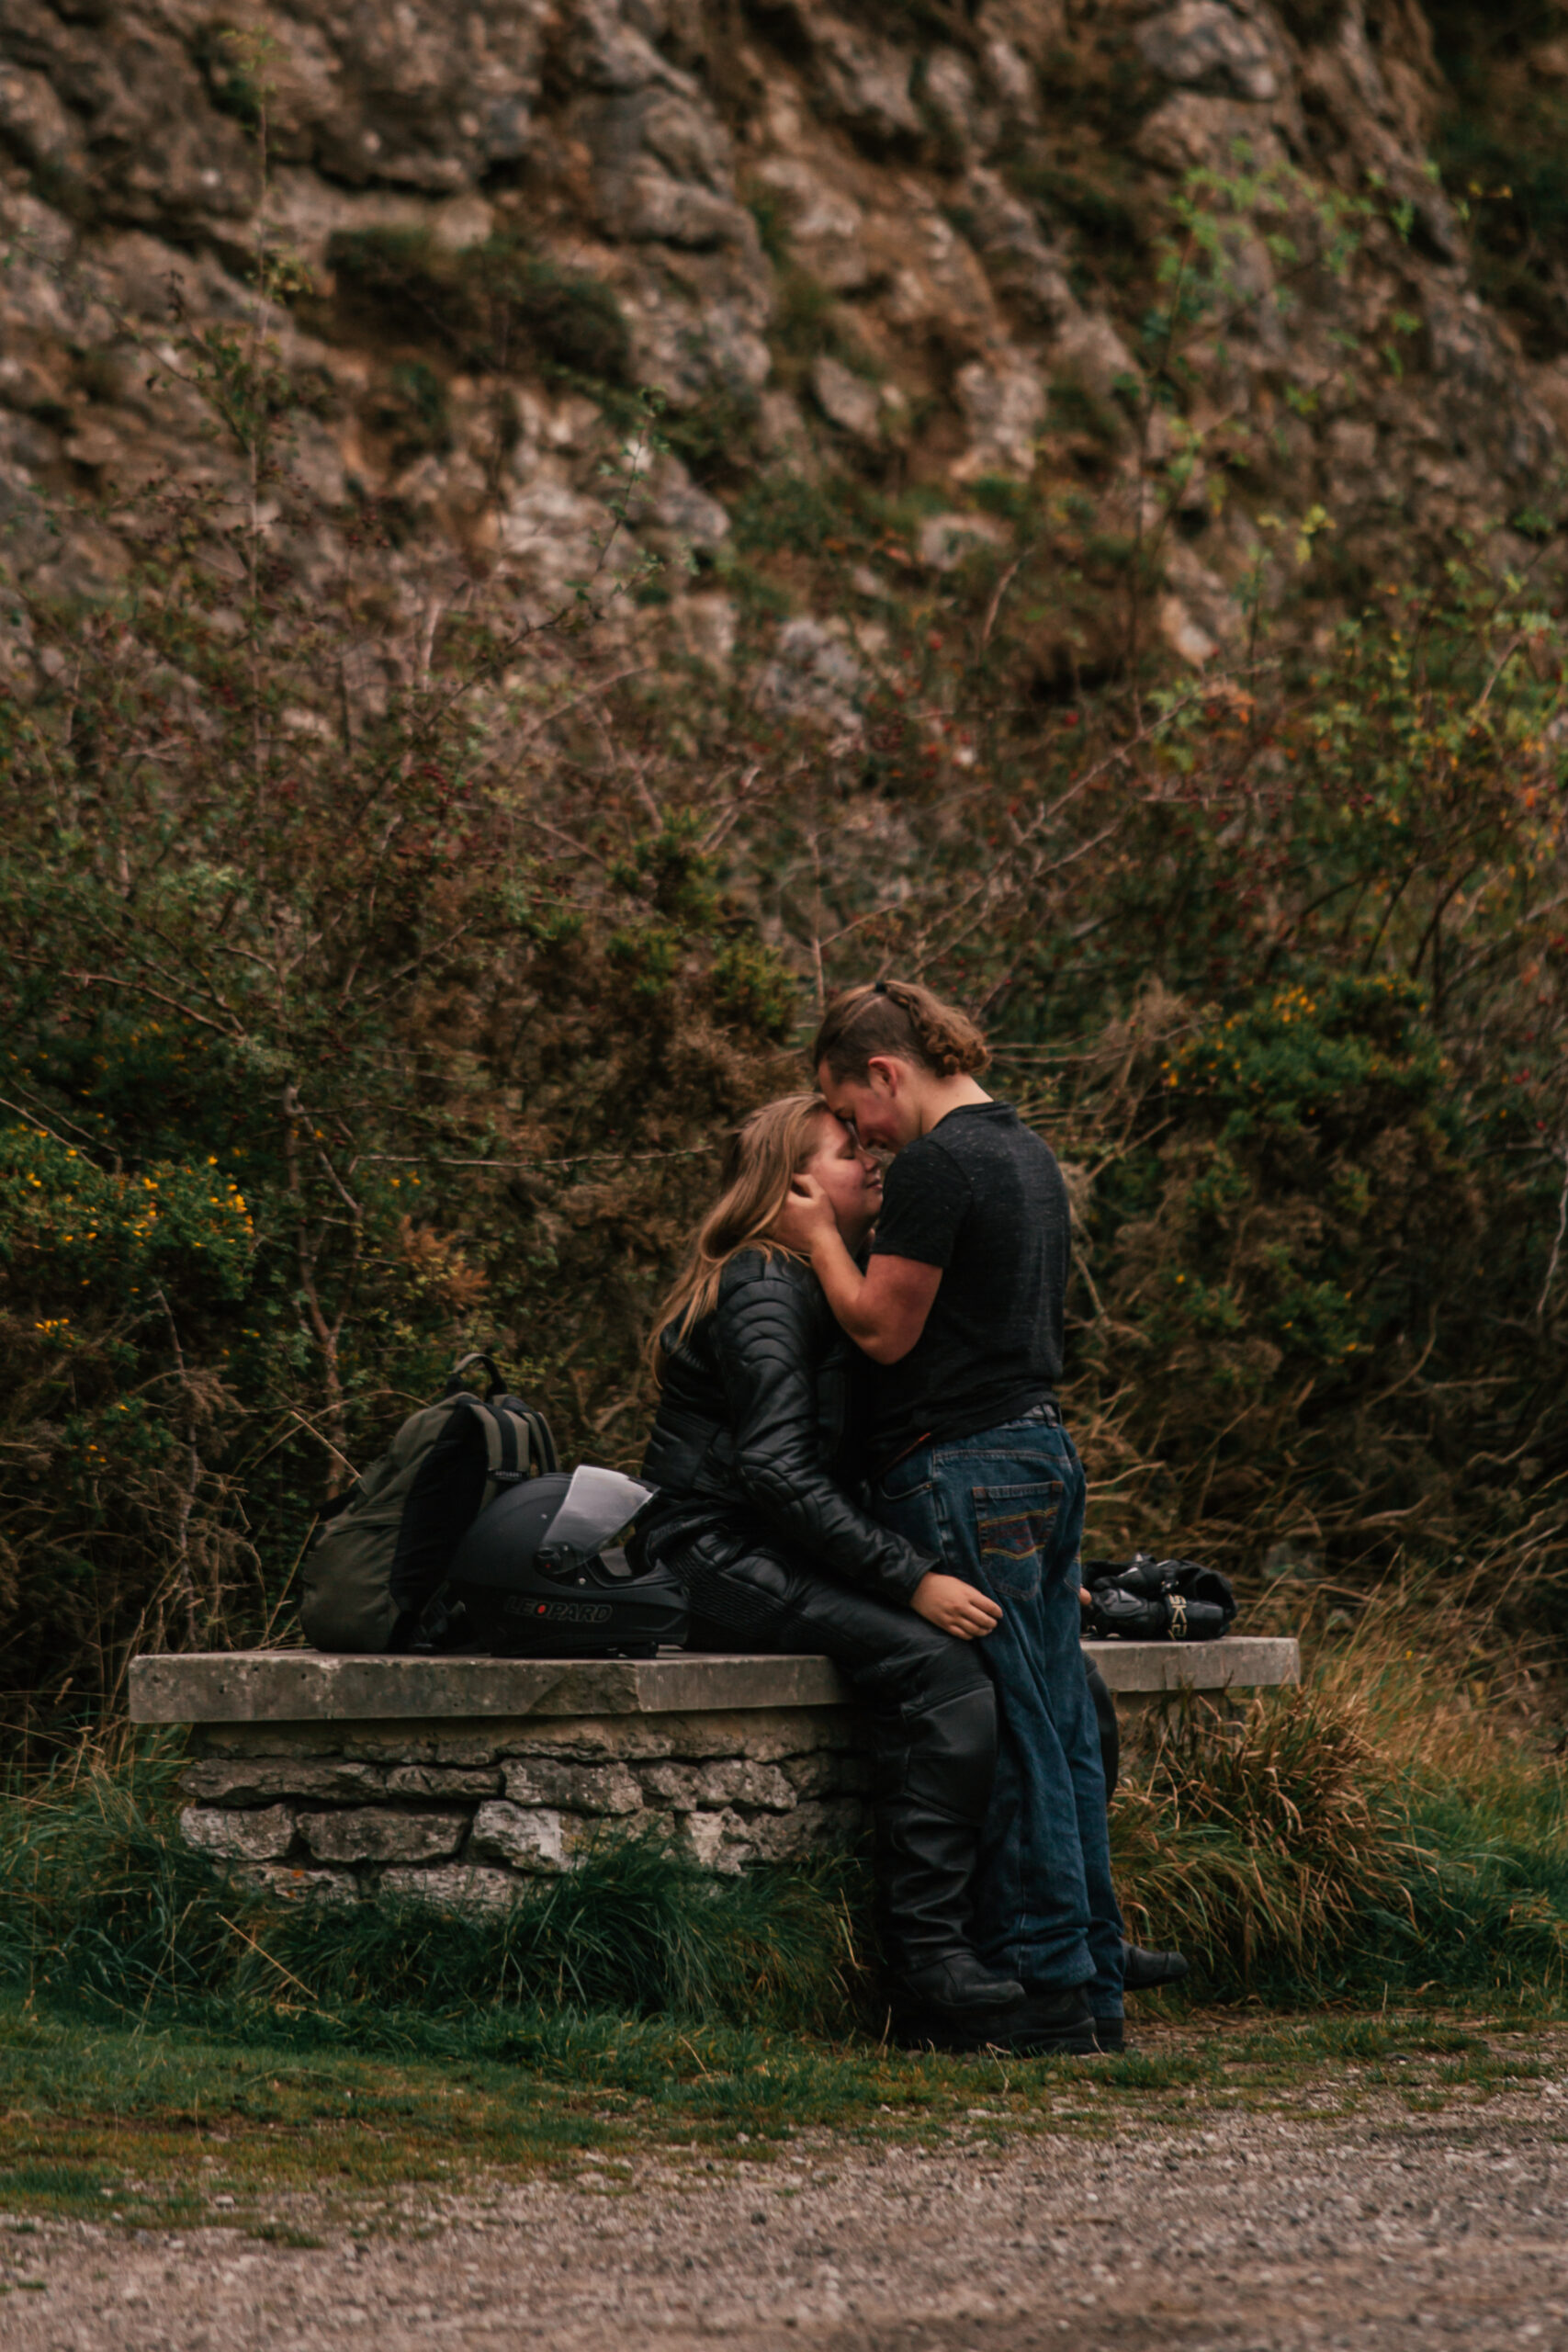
<point x="931" y="1714"/>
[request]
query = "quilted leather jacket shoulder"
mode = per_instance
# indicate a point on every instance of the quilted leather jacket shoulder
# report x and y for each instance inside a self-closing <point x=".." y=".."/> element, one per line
<point x="755" y="1414"/>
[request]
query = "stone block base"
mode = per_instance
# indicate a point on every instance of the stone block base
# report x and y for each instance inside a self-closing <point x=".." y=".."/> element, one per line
<point x="469" y="1811"/>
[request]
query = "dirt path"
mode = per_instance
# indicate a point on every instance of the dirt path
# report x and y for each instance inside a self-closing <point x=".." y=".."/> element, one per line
<point x="1246" y="2230"/>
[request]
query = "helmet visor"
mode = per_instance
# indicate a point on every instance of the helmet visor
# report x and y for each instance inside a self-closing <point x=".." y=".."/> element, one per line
<point x="596" y="1504"/>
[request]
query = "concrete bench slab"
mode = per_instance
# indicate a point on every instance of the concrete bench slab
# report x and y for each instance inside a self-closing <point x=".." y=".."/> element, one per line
<point x="305" y="1685"/>
<point x="1240" y="1662"/>
<point x="458" y="1779"/>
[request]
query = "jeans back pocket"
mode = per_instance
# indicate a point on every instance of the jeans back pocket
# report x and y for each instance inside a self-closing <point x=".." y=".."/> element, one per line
<point x="1013" y="1527"/>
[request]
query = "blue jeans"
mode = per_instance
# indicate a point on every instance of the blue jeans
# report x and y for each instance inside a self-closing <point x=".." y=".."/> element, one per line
<point x="1004" y="1509"/>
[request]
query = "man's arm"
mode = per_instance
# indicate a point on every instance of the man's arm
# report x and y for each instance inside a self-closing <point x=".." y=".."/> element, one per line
<point x="885" y="1309"/>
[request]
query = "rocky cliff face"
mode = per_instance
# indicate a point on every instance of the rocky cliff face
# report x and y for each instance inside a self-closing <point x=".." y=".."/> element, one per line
<point x="914" y="246"/>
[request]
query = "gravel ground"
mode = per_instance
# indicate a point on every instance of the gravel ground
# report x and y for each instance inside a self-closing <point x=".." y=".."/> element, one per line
<point x="1245" y="2231"/>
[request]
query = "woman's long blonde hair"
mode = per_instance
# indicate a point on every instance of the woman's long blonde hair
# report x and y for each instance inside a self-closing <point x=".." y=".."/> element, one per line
<point x="766" y="1153"/>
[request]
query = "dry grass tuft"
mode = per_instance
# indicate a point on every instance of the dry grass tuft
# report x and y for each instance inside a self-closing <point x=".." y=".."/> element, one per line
<point x="1260" y="1841"/>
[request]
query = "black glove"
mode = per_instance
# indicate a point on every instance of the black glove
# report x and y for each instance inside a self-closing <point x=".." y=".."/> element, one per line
<point x="1145" y="1599"/>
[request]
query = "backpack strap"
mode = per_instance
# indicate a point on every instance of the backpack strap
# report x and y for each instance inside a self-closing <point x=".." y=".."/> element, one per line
<point x="540" y="1444"/>
<point x="465" y="1363"/>
<point x="503" y="1468"/>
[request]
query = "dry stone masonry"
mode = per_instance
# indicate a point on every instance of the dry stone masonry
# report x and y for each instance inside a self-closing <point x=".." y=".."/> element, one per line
<point x="460" y="1780"/>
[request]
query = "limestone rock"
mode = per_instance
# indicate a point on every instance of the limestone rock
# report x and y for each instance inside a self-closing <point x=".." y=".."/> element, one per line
<point x="454" y="1886"/>
<point x="452" y="1747"/>
<point x="269" y="1778"/>
<point x="845" y="399"/>
<point x="607" y="52"/>
<point x="297" y="1885"/>
<point x="1004" y="406"/>
<point x="1183" y="634"/>
<point x="371" y="1834"/>
<point x="827" y="225"/>
<point x="809" y="1828"/>
<point x="678" y="1786"/>
<point x="1089" y="351"/>
<point x="764" y="1733"/>
<point x="442" y="1781"/>
<point x="663" y="175"/>
<point x="744" y="1781"/>
<point x="580" y="1788"/>
<point x="827" y="1776"/>
<point x="263" y="1835"/>
<point x="937" y="287"/>
<point x="687" y="515"/>
<point x="717" y="187"/>
<point x="718" y="1841"/>
<point x="1206" y="595"/>
<point x="1202" y="42"/>
<point x="531" y="1840"/>
<point x="1011" y="82"/>
<point x="563" y="539"/>
<point x="33" y="122"/>
<point x="707" y="627"/>
<point x="952" y="94"/>
<point x="865" y="84"/>
<point x="1192" y="131"/>
<point x="813" y="677"/>
<point x="1198" y="615"/>
<point x="1023" y="268"/>
<point x="693" y="1788"/>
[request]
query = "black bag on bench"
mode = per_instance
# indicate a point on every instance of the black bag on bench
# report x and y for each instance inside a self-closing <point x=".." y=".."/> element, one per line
<point x="380" y="1551"/>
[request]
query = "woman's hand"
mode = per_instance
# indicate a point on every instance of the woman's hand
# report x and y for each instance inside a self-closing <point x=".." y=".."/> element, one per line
<point x="953" y="1606"/>
<point x="806" y="1217"/>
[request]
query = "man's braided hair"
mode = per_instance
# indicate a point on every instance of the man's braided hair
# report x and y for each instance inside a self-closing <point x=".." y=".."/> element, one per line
<point x="897" y="1017"/>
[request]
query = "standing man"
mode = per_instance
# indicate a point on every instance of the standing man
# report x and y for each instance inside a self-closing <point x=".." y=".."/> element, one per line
<point x="960" y="1310"/>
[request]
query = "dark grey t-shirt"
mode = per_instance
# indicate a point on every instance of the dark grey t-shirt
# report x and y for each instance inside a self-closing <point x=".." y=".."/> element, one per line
<point x="983" y="1198"/>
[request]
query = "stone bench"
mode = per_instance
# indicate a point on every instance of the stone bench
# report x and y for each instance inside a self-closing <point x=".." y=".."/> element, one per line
<point x="455" y="1778"/>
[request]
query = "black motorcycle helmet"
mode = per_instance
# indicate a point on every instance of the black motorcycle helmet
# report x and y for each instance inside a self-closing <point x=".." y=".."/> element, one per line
<point x="535" y="1575"/>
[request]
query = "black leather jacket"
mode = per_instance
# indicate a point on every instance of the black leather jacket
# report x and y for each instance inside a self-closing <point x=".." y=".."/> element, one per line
<point x="753" y="1432"/>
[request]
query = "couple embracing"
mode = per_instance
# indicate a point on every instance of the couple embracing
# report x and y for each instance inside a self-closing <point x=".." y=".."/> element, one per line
<point x="859" y="1454"/>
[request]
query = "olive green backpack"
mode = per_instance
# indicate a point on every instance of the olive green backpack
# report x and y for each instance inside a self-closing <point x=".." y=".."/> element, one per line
<point x="380" y="1551"/>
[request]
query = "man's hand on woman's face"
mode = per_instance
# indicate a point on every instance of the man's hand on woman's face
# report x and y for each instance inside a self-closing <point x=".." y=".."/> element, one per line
<point x="807" y="1215"/>
<point x="953" y="1606"/>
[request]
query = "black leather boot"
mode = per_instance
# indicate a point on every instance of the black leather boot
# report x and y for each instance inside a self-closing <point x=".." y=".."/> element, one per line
<point x="1144" y="1971"/>
<point x="958" y="2004"/>
<point x="933" y="1781"/>
<point x="955" y="2004"/>
<point x="1057" y="2023"/>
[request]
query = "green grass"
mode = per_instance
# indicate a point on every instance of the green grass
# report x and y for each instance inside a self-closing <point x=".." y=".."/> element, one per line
<point x="161" y="2127"/>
